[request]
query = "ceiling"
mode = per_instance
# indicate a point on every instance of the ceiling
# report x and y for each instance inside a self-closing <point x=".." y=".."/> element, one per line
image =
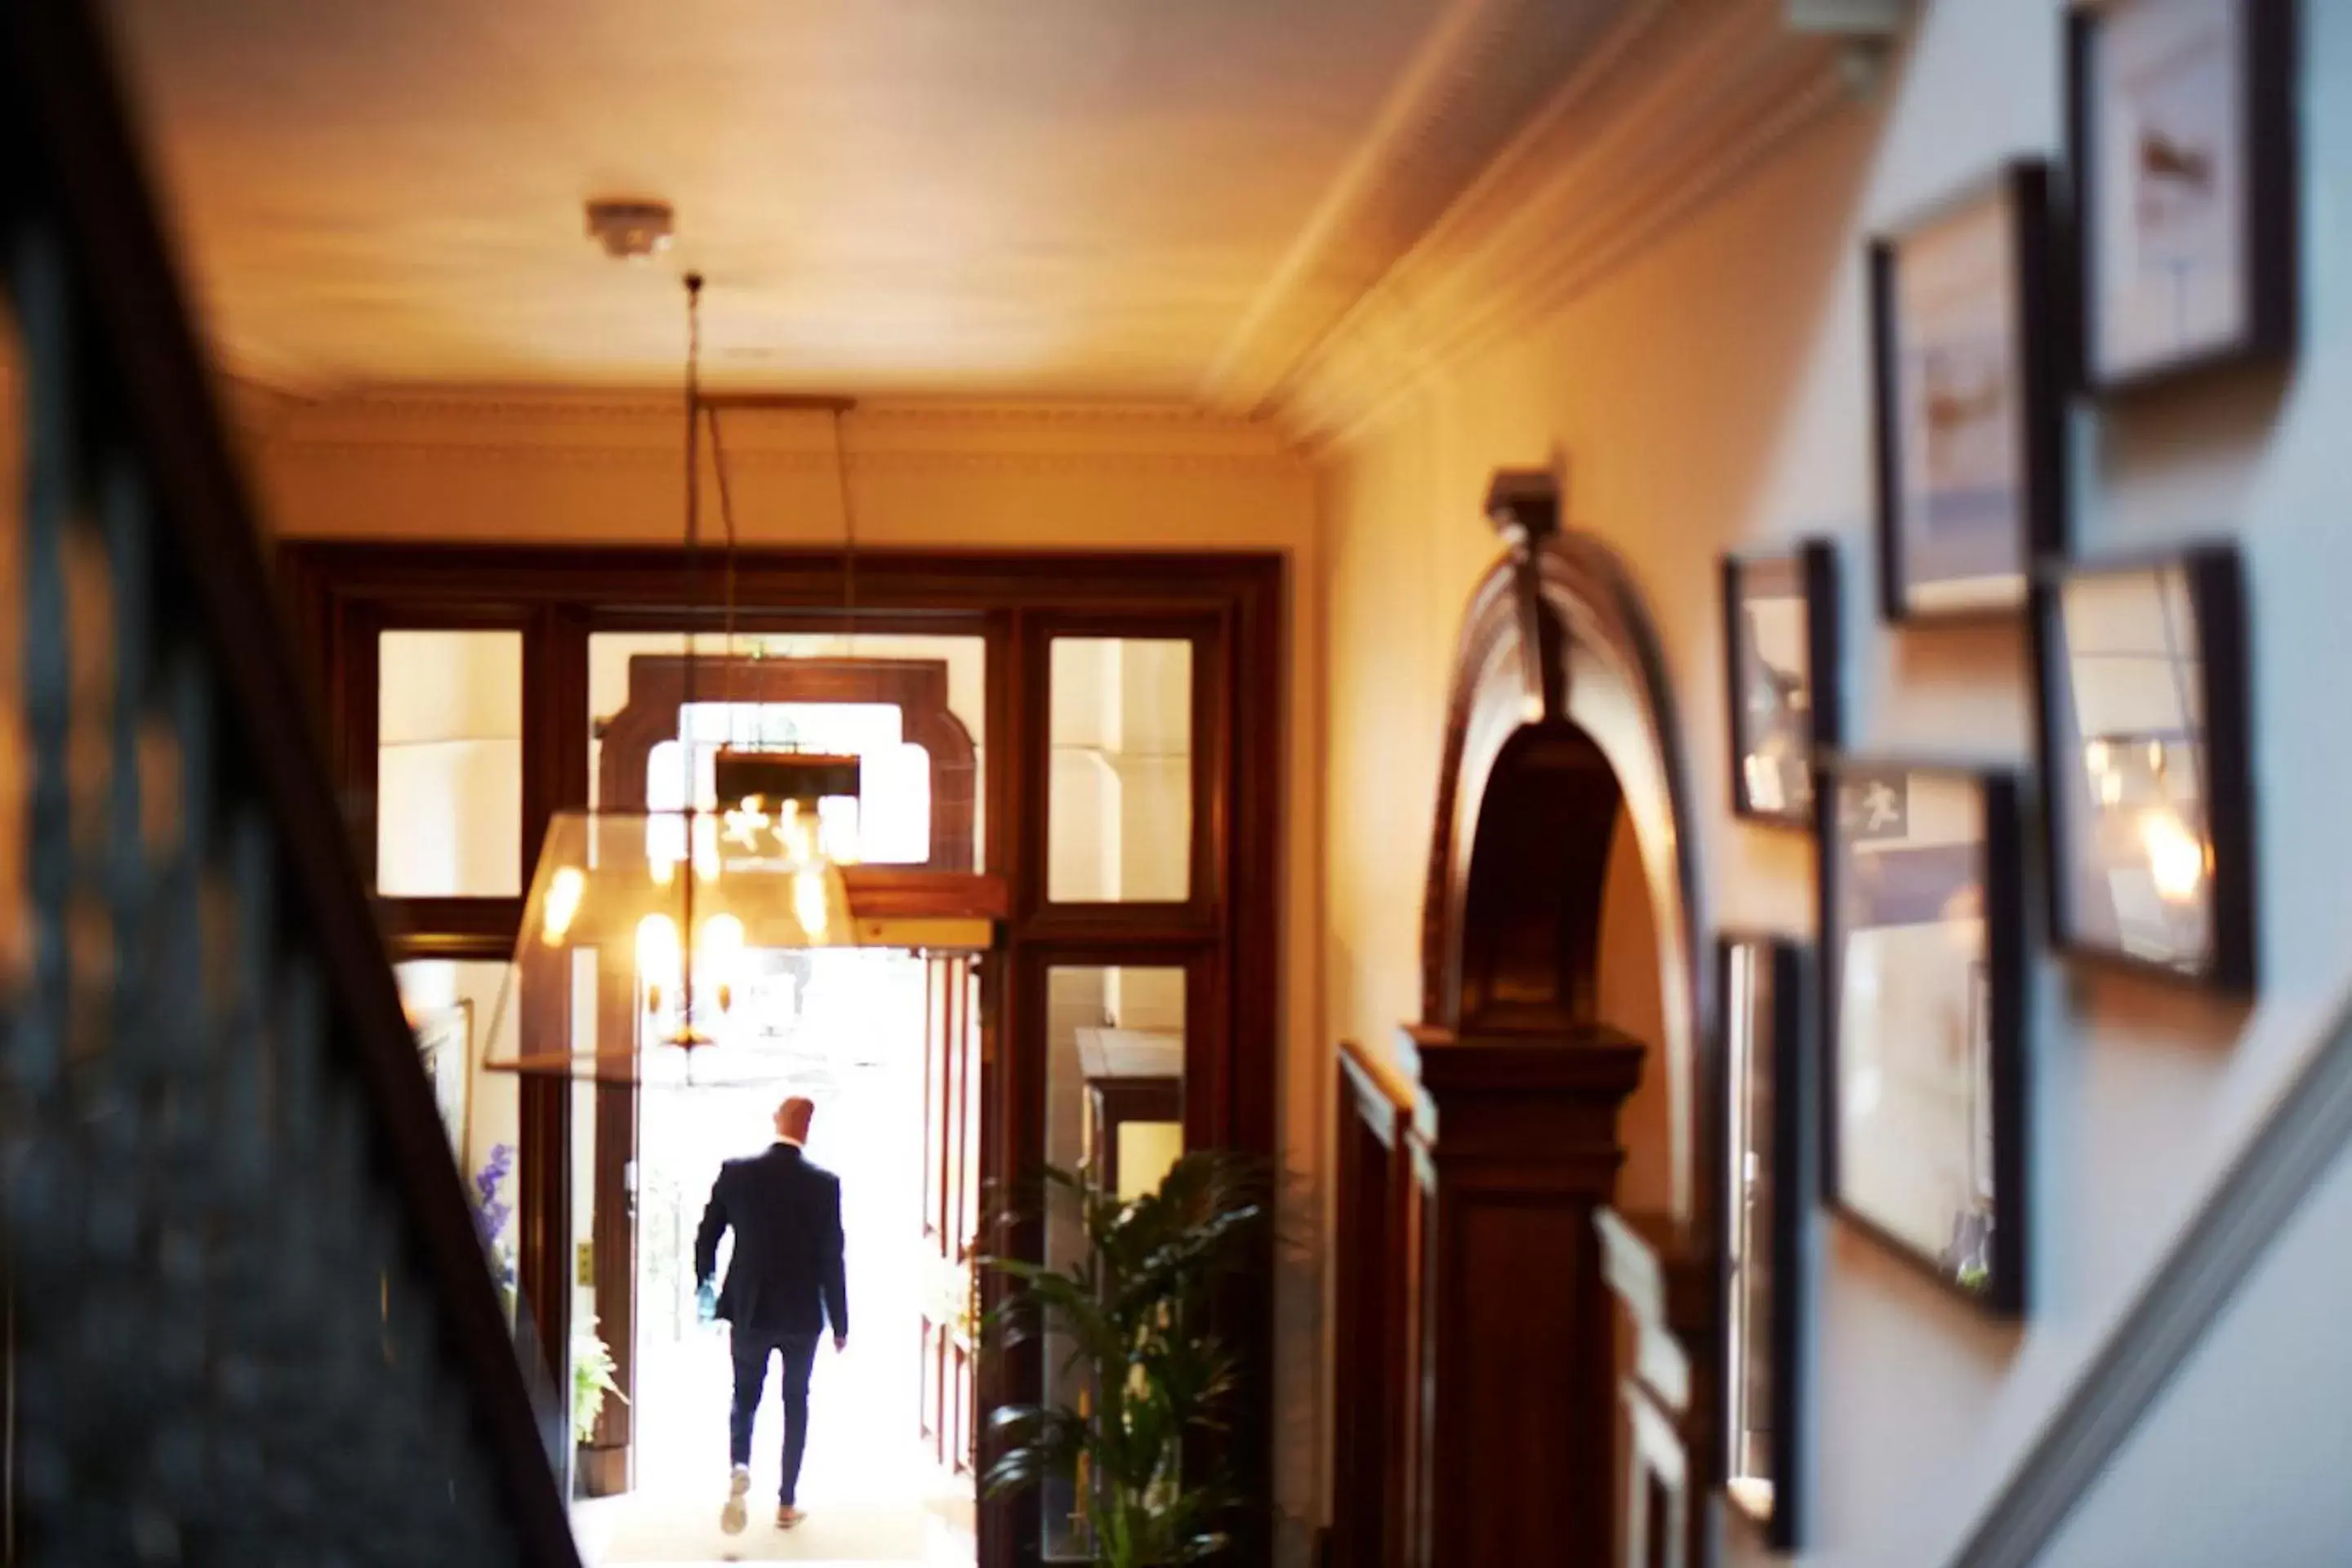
<point x="1107" y="198"/>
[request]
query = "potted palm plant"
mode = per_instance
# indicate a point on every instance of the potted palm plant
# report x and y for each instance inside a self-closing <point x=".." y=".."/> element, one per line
<point x="1143" y="1375"/>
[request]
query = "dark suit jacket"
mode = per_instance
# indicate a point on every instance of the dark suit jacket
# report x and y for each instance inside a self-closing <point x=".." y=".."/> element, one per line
<point x="786" y="1276"/>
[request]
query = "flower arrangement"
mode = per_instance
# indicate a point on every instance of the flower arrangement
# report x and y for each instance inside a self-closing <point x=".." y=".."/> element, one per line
<point x="592" y="1381"/>
<point x="492" y="1214"/>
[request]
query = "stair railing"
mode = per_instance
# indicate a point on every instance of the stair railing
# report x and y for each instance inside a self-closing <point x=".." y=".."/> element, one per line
<point x="249" y="1317"/>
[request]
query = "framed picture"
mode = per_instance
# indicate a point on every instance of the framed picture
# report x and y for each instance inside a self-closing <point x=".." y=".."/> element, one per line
<point x="2182" y="114"/>
<point x="444" y="1046"/>
<point x="1781" y="675"/>
<point x="2140" y="670"/>
<point x="1771" y="1255"/>
<point x="1972" y="485"/>
<point x="1923" y="959"/>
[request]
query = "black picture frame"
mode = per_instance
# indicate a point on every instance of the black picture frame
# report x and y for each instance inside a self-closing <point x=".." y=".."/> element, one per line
<point x="1788" y="1339"/>
<point x="1811" y="567"/>
<point x="2217" y="737"/>
<point x="2000" y="874"/>
<point x="2024" y="188"/>
<point x="2268" y="237"/>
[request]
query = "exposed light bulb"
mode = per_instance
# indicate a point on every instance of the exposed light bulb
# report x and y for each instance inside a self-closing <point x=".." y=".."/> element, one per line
<point x="564" y="894"/>
<point x="718" y="950"/>
<point x="809" y="903"/>
<point x="657" y="957"/>
<point x="2175" y="858"/>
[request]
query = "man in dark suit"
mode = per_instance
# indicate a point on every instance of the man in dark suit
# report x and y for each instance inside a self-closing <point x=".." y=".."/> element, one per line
<point x="785" y="1285"/>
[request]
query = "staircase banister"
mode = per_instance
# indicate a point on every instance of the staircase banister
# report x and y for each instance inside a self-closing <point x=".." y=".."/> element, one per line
<point x="2299" y="1139"/>
<point x="88" y="169"/>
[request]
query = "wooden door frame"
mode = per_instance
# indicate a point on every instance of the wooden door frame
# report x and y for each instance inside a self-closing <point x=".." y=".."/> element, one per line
<point x="1227" y="932"/>
<point x="650" y="715"/>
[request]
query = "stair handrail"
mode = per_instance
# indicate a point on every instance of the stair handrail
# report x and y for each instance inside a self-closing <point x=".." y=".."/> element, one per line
<point x="57" y="60"/>
<point x="2307" y="1130"/>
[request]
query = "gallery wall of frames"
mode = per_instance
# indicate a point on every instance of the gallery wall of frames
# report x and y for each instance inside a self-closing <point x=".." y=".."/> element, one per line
<point x="1883" y="1077"/>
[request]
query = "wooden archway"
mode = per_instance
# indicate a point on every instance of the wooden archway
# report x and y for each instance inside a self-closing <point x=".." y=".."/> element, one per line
<point x="1558" y="722"/>
<point x="1561" y="712"/>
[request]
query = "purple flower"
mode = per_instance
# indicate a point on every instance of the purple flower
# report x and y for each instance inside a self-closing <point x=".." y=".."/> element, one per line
<point x="491" y="1213"/>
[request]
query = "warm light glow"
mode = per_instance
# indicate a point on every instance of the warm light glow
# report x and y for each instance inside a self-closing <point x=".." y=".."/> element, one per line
<point x="563" y="895"/>
<point x="719" y="956"/>
<point x="747" y="822"/>
<point x="2176" y="859"/>
<point x="705" y="846"/>
<point x="797" y="831"/>
<point x="657" y="956"/>
<point x="809" y="903"/>
<point x="2111" y="789"/>
<point x="2097" y="755"/>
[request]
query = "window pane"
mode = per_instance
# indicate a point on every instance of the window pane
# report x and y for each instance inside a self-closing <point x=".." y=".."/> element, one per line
<point x="449" y="764"/>
<point x="1114" y="1107"/>
<point x="913" y="709"/>
<point x="1121" y="828"/>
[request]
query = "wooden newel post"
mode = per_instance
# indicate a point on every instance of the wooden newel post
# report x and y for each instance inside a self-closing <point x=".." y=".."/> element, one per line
<point x="1512" y="1412"/>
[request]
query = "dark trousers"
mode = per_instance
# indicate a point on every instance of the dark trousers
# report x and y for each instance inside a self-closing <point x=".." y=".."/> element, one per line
<point x="751" y="1351"/>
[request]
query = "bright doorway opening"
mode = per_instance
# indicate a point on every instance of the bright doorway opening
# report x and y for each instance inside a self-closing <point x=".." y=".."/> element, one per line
<point x="857" y="1032"/>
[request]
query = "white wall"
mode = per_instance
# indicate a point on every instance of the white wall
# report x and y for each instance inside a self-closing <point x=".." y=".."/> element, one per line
<point x="1708" y="391"/>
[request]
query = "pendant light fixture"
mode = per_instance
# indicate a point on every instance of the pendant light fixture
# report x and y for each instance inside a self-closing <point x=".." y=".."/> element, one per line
<point x="666" y="906"/>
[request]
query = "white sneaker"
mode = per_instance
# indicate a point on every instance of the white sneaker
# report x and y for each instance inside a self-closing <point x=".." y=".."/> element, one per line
<point x="739" y="1483"/>
<point x="788" y="1517"/>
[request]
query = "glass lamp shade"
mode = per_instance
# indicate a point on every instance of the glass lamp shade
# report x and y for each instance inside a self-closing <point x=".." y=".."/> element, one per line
<point x="649" y="939"/>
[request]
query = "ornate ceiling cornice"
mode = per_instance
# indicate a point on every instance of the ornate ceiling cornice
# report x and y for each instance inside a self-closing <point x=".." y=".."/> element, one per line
<point x="617" y="429"/>
<point x="1683" y="101"/>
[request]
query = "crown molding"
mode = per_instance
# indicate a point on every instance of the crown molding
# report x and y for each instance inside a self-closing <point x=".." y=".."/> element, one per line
<point x="1481" y="69"/>
<point x="605" y="428"/>
<point x="1686" y="100"/>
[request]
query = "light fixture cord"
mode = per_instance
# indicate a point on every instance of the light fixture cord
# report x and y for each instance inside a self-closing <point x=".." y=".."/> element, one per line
<point x="693" y="551"/>
<point x="848" y="537"/>
<point x="727" y="520"/>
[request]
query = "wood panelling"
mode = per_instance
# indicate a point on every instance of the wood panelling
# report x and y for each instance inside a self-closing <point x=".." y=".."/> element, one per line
<point x="1370" y="1260"/>
<point x="1474" y="1328"/>
<point x="1522" y="1138"/>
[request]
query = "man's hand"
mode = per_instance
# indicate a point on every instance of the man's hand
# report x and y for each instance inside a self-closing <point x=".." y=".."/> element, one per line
<point x="840" y="1342"/>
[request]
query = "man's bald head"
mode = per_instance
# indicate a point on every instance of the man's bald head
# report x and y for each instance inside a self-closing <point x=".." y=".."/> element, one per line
<point x="793" y="1118"/>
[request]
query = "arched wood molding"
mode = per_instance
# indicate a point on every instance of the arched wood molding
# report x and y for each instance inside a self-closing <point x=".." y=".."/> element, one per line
<point x="1560" y="711"/>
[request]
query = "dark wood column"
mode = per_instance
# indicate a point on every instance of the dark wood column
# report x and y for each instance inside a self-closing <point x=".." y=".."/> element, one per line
<point x="1518" y="1151"/>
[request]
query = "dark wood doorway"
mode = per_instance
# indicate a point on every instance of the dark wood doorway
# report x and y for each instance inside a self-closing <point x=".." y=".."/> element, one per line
<point x="1213" y="928"/>
<point x="658" y="688"/>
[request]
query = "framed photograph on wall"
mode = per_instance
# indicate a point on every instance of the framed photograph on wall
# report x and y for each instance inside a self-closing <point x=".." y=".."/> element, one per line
<point x="1772" y="1239"/>
<point x="1922" y="1011"/>
<point x="2181" y="115"/>
<point x="1965" y="357"/>
<point x="1781" y="677"/>
<point x="2140" y="671"/>
<point x="445" y="1048"/>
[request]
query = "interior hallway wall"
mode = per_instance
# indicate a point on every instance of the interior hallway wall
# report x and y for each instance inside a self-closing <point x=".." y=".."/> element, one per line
<point x="1708" y="391"/>
<point x="583" y="468"/>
